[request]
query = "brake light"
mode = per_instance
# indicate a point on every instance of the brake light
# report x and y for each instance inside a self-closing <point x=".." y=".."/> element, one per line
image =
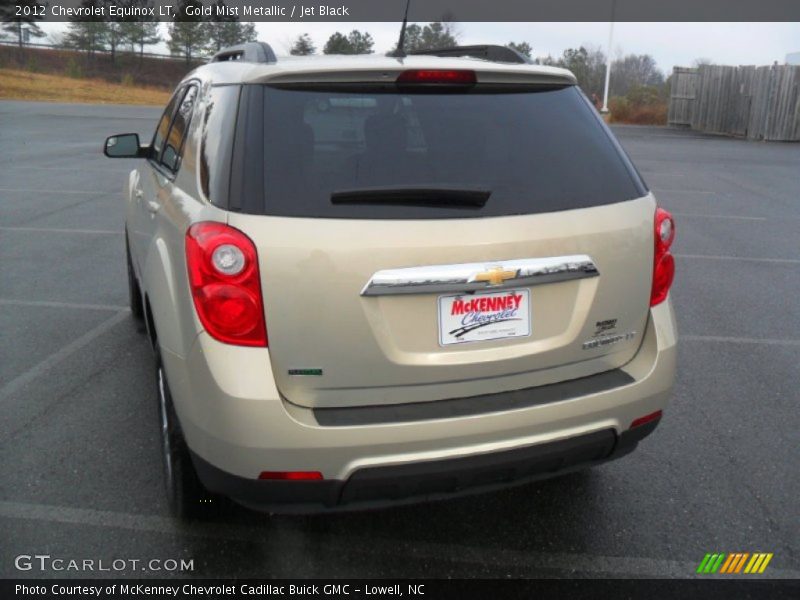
<point x="291" y="475"/>
<point x="226" y="288"/>
<point x="438" y="76"/>
<point x="663" y="261"/>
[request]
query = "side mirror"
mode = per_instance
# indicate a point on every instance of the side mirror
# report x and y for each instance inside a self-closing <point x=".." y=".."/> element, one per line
<point x="125" y="145"/>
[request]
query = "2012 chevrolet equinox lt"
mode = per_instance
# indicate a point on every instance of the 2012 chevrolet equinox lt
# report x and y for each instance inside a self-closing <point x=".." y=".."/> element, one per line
<point x="374" y="279"/>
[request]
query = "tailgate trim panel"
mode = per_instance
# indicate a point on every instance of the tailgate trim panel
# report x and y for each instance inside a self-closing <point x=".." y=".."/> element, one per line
<point x="473" y="277"/>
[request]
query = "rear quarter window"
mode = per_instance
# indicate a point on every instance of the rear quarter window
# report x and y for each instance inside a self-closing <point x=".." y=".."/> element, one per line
<point x="163" y="124"/>
<point x="219" y="118"/>
<point x="177" y="133"/>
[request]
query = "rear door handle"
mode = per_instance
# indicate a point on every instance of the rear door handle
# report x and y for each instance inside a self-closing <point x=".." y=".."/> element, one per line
<point x="153" y="206"/>
<point x="138" y="193"/>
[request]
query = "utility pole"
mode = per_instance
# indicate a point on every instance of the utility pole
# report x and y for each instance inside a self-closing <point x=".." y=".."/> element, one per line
<point x="604" y="110"/>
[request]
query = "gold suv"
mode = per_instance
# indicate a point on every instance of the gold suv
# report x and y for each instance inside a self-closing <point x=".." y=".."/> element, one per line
<point x="376" y="279"/>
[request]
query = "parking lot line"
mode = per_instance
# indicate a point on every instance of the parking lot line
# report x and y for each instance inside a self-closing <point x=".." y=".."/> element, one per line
<point x="60" y="230"/>
<point x="739" y="340"/>
<point x="784" y="261"/>
<point x="587" y="563"/>
<point x="55" y="358"/>
<point x="82" y="168"/>
<point x="660" y="191"/>
<point x="28" y="191"/>
<point x="72" y="305"/>
<point x="733" y="217"/>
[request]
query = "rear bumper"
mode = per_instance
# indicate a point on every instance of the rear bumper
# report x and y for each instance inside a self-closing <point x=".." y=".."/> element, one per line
<point x="376" y="487"/>
<point x="238" y="427"/>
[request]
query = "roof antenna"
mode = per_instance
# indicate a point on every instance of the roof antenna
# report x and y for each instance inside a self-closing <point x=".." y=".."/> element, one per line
<point x="400" y="52"/>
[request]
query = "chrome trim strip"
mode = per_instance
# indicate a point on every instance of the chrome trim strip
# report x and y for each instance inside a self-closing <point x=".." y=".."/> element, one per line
<point x="474" y="277"/>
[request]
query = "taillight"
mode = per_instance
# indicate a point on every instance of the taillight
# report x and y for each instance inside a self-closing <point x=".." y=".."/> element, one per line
<point x="663" y="261"/>
<point x="225" y="284"/>
<point x="438" y="76"/>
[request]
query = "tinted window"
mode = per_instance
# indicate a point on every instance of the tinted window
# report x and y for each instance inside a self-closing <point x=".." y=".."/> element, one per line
<point x="177" y="133"/>
<point x="535" y="151"/>
<point x="218" y="129"/>
<point x="163" y="125"/>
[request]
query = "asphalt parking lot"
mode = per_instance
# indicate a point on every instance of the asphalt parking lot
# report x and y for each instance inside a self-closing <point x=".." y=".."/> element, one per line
<point x="80" y="471"/>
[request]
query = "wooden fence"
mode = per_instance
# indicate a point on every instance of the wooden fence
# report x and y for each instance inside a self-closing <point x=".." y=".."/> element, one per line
<point x="682" y="95"/>
<point x="761" y="103"/>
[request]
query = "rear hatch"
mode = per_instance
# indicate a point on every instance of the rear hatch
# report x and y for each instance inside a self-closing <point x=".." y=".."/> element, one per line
<point x="431" y="242"/>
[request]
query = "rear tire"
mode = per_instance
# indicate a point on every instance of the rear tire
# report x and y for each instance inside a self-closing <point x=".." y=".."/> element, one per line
<point x="134" y="291"/>
<point x="186" y="496"/>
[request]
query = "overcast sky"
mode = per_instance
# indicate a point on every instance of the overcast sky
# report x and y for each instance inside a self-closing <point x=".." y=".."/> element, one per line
<point x="670" y="44"/>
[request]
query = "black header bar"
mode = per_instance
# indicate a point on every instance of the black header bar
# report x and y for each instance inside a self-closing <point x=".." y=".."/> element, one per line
<point x="378" y="589"/>
<point x="429" y="10"/>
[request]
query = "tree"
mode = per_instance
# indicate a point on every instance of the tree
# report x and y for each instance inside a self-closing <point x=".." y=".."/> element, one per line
<point x="140" y="31"/>
<point x="97" y="33"/>
<point x="56" y="39"/>
<point x="439" y="34"/>
<point x="337" y="44"/>
<point x="18" y="25"/>
<point x="361" y="43"/>
<point x="587" y="64"/>
<point x="412" y="38"/>
<point x="188" y="35"/>
<point x="87" y="35"/>
<point x="595" y="74"/>
<point x="140" y="34"/>
<point x="523" y="48"/>
<point x="222" y="34"/>
<point x="645" y="95"/>
<point x="355" y="43"/>
<point x="226" y="31"/>
<point x="114" y="36"/>
<point x="229" y="33"/>
<point x="303" y="46"/>
<point x="633" y="70"/>
<point x="546" y="60"/>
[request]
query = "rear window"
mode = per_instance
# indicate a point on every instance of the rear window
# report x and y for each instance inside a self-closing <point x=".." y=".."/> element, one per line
<point x="534" y="151"/>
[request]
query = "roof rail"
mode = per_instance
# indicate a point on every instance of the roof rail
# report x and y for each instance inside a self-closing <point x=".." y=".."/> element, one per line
<point x="257" y="52"/>
<point x="485" y="51"/>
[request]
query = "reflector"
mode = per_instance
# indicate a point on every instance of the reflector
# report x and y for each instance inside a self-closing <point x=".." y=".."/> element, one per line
<point x="646" y="419"/>
<point x="291" y="475"/>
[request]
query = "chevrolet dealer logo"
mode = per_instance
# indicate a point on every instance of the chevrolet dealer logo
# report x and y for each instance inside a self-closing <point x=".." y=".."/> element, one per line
<point x="495" y="275"/>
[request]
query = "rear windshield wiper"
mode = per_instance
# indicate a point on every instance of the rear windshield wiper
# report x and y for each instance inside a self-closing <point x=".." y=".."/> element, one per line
<point x="414" y="196"/>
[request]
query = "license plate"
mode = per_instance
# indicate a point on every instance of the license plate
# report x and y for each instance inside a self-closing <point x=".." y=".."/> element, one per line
<point x="484" y="316"/>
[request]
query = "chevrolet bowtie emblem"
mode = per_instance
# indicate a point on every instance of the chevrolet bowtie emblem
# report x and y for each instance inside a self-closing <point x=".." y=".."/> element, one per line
<point x="496" y="275"/>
